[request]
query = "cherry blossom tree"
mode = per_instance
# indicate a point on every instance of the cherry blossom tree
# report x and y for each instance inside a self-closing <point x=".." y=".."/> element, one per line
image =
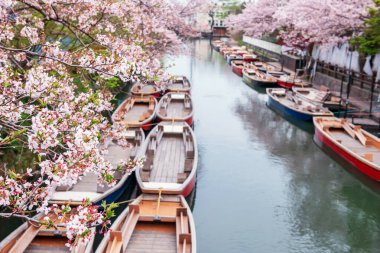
<point x="300" y="22"/>
<point x="59" y="60"/>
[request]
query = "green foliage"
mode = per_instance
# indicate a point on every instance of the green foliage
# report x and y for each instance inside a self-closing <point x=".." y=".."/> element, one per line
<point x="109" y="210"/>
<point x="369" y="42"/>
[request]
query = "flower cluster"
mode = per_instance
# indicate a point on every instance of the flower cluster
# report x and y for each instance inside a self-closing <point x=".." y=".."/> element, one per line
<point x="58" y="64"/>
<point x="300" y="23"/>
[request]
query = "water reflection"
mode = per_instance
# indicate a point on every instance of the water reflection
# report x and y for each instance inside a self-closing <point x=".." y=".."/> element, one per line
<point x="263" y="185"/>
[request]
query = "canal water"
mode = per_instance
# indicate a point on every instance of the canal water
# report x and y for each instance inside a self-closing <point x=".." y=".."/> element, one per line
<point x="263" y="185"/>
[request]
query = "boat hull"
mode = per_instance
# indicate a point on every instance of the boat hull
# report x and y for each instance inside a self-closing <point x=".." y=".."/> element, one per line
<point x="257" y="83"/>
<point x="238" y="71"/>
<point x="185" y="191"/>
<point x="284" y="84"/>
<point x="277" y="106"/>
<point x="127" y="186"/>
<point x="322" y="140"/>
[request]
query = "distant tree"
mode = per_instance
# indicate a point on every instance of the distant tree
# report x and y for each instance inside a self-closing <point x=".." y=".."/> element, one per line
<point x="369" y="42"/>
<point x="300" y="22"/>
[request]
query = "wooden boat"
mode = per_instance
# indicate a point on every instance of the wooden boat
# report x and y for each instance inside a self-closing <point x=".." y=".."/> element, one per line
<point x="217" y="44"/>
<point x="256" y="78"/>
<point x="225" y="50"/>
<point x="154" y="224"/>
<point x="171" y="158"/>
<point x="355" y="145"/>
<point x="289" y="104"/>
<point x="136" y="112"/>
<point x="241" y="52"/>
<point x="146" y="89"/>
<point x="321" y="97"/>
<point x="290" y="81"/>
<point x="249" y="57"/>
<point x="176" y="107"/>
<point x="88" y="186"/>
<point x="32" y="237"/>
<point x="179" y="84"/>
<point x="233" y="57"/>
<point x="237" y="67"/>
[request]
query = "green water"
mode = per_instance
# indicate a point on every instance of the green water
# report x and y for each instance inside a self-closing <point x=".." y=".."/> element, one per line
<point x="263" y="185"/>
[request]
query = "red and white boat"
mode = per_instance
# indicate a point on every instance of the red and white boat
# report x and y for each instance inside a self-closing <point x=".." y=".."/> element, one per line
<point x="178" y="84"/>
<point x="176" y="107"/>
<point x="237" y="67"/>
<point x="136" y="112"/>
<point x="146" y="89"/>
<point x="356" y="146"/>
<point x="290" y="81"/>
<point x="249" y="57"/>
<point x="171" y="158"/>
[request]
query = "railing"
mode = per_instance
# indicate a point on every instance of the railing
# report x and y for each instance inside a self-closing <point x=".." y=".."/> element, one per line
<point x="362" y="80"/>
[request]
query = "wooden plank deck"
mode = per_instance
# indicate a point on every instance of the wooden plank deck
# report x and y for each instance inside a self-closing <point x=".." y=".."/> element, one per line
<point x="87" y="184"/>
<point x="47" y="245"/>
<point x="176" y="109"/>
<point x="175" y="86"/>
<point x="169" y="160"/>
<point x="355" y="145"/>
<point x="116" y="153"/>
<point x="136" y="111"/>
<point x="153" y="238"/>
<point x="148" y="88"/>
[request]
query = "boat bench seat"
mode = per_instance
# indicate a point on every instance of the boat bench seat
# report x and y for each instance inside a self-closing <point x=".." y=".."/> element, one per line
<point x="163" y="112"/>
<point x="145" y="176"/>
<point x="62" y="188"/>
<point x="181" y="177"/>
<point x="189" y="149"/>
<point x="151" y="106"/>
<point x="187" y="104"/>
<point x="189" y="164"/>
<point x="152" y="145"/>
<point x="148" y="164"/>
<point x="183" y="229"/>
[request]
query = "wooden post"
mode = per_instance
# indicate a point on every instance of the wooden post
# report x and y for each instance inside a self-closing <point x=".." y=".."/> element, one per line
<point x="372" y="90"/>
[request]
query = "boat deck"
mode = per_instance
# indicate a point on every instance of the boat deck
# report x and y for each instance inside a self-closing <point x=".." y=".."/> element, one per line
<point x="135" y="112"/>
<point x="177" y="86"/>
<point x="176" y="109"/>
<point x="353" y="144"/>
<point x="42" y="244"/>
<point x="153" y="238"/>
<point x="169" y="160"/>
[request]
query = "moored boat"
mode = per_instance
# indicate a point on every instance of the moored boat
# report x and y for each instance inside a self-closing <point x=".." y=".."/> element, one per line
<point x="290" y="81"/>
<point x="31" y="237"/>
<point x="179" y="84"/>
<point x="146" y="89"/>
<point x="217" y="44"/>
<point x="288" y="104"/>
<point x="171" y="157"/>
<point x="233" y="57"/>
<point x="321" y="97"/>
<point x="237" y="67"/>
<point x="88" y="186"/>
<point x="249" y="57"/>
<point x="154" y="224"/>
<point x="354" y="145"/>
<point x="176" y="107"/>
<point x="136" y="112"/>
<point x="256" y="78"/>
